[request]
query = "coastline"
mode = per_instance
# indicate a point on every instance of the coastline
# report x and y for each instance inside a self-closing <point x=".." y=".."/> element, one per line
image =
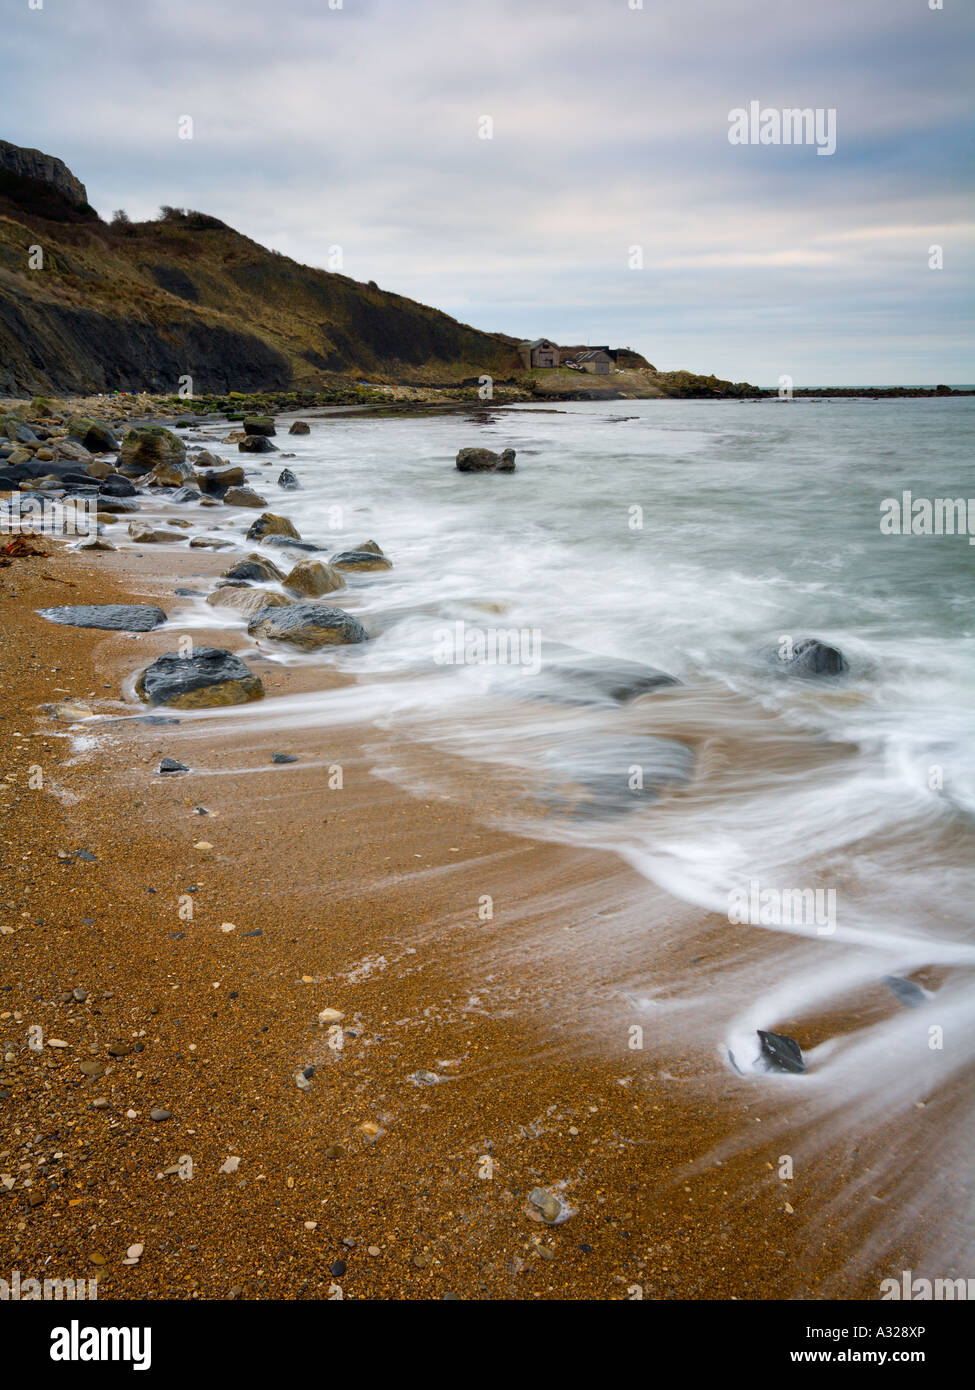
<point x="360" y="914"/>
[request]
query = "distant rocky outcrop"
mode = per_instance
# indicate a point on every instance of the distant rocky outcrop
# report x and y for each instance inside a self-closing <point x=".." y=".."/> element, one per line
<point x="42" y="168"/>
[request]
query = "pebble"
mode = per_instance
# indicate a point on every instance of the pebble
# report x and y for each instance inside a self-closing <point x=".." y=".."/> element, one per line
<point x="373" y="1250"/>
<point x="230" y="1164"/>
<point x="546" y="1203"/>
<point x="338" y="1268"/>
<point x="311" y="1225"/>
<point x="159" y="1114"/>
<point x="331" y="1016"/>
<point x="334" y="1151"/>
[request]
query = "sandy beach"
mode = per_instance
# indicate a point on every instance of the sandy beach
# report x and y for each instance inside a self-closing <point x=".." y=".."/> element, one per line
<point x="474" y="1061"/>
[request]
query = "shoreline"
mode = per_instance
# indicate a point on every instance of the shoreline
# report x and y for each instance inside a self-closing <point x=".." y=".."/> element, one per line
<point x="352" y="903"/>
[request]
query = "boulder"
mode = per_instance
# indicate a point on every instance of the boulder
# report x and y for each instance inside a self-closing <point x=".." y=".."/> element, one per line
<point x="256" y="444"/>
<point x="169" y="473"/>
<point x="781" y="1053"/>
<point x="307" y="626"/>
<point x="186" y="494"/>
<point x="271" y="525"/>
<point x="210" y="543"/>
<point x="204" y="460"/>
<point x="71" y="450"/>
<point x="578" y="677"/>
<point x="145" y="446"/>
<point x="143" y="534"/>
<point x="98" y="468"/>
<point x="206" y="676"/>
<point x="287" y="479"/>
<point x="312" y="578"/>
<point x="243" y="497"/>
<point x="117" y="486"/>
<point x="115" y="505"/>
<point x="259" y="426"/>
<point x="215" y="481"/>
<point x="288" y="542"/>
<point x="360" y="560"/>
<point x="485" y="461"/>
<point x="256" y="568"/>
<point x="110" y="617"/>
<point x="96" y="543"/>
<point x="243" y="599"/>
<point x="94" y="434"/>
<point x="810" y="657"/>
<point x="300" y="427"/>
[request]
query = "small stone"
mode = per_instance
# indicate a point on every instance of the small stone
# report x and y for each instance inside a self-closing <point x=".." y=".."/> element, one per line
<point x="230" y="1164"/>
<point x="334" y="1151"/>
<point x="159" y="1115"/>
<point x="546" y="1204"/>
<point x="283" y="758"/>
<point x="203" y="844"/>
<point x="373" y="1250"/>
<point x="134" y="1252"/>
<point x="331" y="1016"/>
<point x="421" y="1261"/>
<point x="338" y="1268"/>
<point x="171" y="765"/>
<point x="80" y="994"/>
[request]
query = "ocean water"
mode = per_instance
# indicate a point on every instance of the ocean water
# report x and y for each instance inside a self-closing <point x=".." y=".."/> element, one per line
<point x="697" y="538"/>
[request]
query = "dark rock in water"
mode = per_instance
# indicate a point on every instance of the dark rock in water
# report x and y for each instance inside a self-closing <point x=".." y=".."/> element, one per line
<point x="111" y="617"/>
<point x="812" y="658"/>
<point x="117" y="486"/>
<point x="243" y="497"/>
<point x="216" y="481"/>
<point x="207" y="676"/>
<point x="155" y="719"/>
<point x="259" y="426"/>
<point x="781" y="1053"/>
<point x="291" y="543"/>
<point x="300" y="427"/>
<point x="188" y="593"/>
<point x="115" y="504"/>
<point x="171" y="765"/>
<point x="186" y="494"/>
<point x="11" y="478"/>
<point x="256" y="568"/>
<point x="579" y="677"/>
<point x="307" y="626"/>
<point x="283" y="758"/>
<point x="485" y="461"/>
<point x="906" y="991"/>
<point x="360" y="561"/>
<point x="288" y="480"/>
<point x="613" y="774"/>
<point x="256" y="444"/>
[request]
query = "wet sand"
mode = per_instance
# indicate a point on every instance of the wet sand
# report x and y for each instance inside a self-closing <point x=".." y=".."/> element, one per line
<point x="369" y="1181"/>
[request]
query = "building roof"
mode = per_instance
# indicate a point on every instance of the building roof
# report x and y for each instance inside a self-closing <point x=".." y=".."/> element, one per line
<point x="592" y="355"/>
<point x="539" y="342"/>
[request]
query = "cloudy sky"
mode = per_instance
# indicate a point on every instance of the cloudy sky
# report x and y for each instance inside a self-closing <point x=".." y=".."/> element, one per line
<point x="360" y="126"/>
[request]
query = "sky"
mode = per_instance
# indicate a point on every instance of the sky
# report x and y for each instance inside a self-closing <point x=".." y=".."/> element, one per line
<point x="601" y="202"/>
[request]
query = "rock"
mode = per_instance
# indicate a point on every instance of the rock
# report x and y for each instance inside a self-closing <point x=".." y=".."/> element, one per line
<point x="329" y="1016"/>
<point x="284" y="758"/>
<point x="229" y="1165"/>
<point x="245" y="600"/>
<point x="186" y="495"/>
<point x="312" y="578"/>
<point x="582" y="677"/>
<point x="97" y="543"/>
<point x="111" y="617"/>
<point x="243" y="497"/>
<point x="270" y="525"/>
<point x="66" y="713"/>
<point x="145" y="446"/>
<point x="300" y="427"/>
<point x="206" y="677"/>
<point x="215" y="481"/>
<point x="292" y="544"/>
<point x="171" y="765"/>
<point x="810" y="657"/>
<point x="424" y="1078"/>
<point x="99" y="469"/>
<point x="337" y="1269"/>
<point x="259" y="426"/>
<point x="94" y="434"/>
<point x="159" y="1114"/>
<point x="169" y="473"/>
<point x="372" y="547"/>
<point x="611" y="774"/>
<point x="360" y="560"/>
<point x="210" y="542"/>
<point x="906" y="991"/>
<point x="116" y="506"/>
<point x="204" y="459"/>
<point x="307" y="626"/>
<point x="143" y="534"/>
<point x="256" y="444"/>
<point x="287" y="480"/>
<point x="781" y="1053"/>
<point x="547" y="1205"/>
<point x="117" y="486"/>
<point x="256" y="568"/>
<point x="485" y="461"/>
<point x="71" y="450"/>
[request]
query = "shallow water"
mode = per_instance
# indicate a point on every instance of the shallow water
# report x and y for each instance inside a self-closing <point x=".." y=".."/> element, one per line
<point x="694" y="537"/>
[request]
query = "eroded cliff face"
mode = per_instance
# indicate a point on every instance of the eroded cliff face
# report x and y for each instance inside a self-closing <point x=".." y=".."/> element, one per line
<point x="142" y="306"/>
<point x="42" y="168"/>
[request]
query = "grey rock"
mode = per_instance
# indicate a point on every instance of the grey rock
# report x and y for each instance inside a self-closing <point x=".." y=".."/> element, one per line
<point x="110" y="617"/>
<point x="206" y="677"/>
<point x="781" y="1053"/>
<point x="307" y="626"/>
<point x="485" y="461"/>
